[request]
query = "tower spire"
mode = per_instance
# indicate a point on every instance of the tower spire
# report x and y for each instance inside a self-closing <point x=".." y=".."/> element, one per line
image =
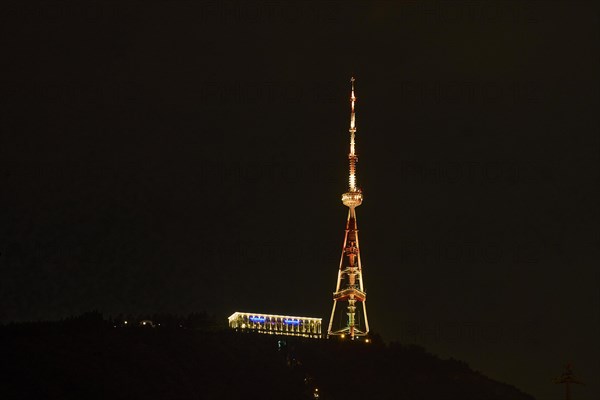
<point x="349" y="287"/>
<point x="353" y="159"/>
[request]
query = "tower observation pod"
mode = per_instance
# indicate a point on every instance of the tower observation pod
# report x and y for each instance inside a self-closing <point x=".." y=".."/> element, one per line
<point x="349" y="290"/>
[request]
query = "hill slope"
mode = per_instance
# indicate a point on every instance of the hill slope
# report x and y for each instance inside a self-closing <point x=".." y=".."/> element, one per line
<point x="100" y="361"/>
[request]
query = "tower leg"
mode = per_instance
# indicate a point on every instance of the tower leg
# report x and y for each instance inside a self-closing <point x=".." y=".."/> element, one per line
<point x="331" y="318"/>
<point x="364" y="307"/>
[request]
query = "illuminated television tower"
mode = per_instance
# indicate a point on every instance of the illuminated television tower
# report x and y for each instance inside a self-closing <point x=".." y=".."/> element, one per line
<point x="349" y="288"/>
<point x="567" y="378"/>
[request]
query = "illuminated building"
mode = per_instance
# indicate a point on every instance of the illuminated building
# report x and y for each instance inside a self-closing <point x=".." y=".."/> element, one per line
<point x="349" y="288"/>
<point x="276" y="324"/>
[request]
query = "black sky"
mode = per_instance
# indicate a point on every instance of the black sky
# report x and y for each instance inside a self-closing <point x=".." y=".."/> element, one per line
<point x="186" y="156"/>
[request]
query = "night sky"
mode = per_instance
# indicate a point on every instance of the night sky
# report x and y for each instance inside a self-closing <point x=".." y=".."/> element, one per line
<point x="186" y="156"/>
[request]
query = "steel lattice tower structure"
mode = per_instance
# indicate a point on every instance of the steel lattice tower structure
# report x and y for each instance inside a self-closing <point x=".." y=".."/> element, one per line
<point x="567" y="378"/>
<point x="350" y="287"/>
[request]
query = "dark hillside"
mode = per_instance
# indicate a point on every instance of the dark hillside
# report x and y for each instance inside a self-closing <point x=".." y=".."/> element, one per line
<point x="89" y="358"/>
